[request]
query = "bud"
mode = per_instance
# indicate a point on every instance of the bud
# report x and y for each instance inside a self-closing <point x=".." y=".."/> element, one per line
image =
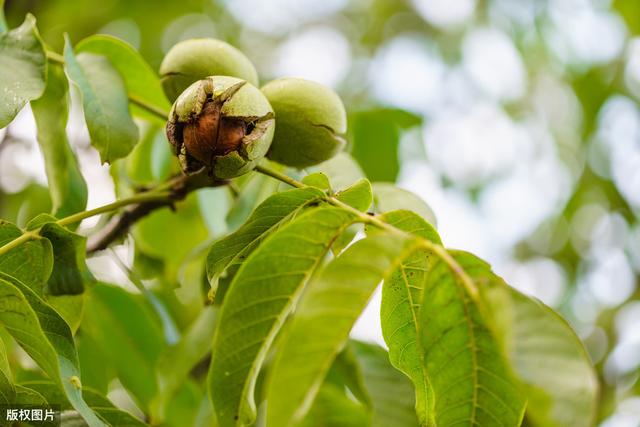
<point x="311" y="122"/>
<point x="222" y="124"/>
<point x="195" y="59"/>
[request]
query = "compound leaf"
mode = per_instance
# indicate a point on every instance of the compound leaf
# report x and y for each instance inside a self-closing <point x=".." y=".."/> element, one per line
<point x="400" y="310"/>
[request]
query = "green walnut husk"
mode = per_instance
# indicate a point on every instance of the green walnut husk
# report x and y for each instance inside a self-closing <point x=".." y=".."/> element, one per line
<point x="195" y="59"/>
<point x="222" y="124"/>
<point x="311" y="121"/>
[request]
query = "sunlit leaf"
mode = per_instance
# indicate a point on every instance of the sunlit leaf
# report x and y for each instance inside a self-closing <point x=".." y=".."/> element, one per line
<point x="141" y="81"/>
<point x="323" y="319"/>
<point x="66" y="184"/>
<point x="106" y="107"/>
<point x="317" y="180"/>
<point x="359" y="195"/>
<point x="46" y="337"/>
<point x="390" y="391"/>
<point x="560" y="382"/>
<point x="23" y="73"/>
<point x="260" y="297"/>
<point x="400" y="310"/>
<point x="471" y="380"/>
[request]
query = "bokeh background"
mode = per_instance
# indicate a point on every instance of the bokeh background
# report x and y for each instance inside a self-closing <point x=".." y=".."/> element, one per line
<point x="517" y="121"/>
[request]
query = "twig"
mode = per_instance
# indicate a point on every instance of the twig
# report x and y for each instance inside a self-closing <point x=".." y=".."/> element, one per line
<point x="119" y="225"/>
<point x="163" y="195"/>
<point x="365" y="218"/>
<point x="179" y="188"/>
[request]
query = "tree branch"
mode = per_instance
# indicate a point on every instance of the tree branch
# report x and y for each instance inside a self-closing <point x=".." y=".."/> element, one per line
<point x="119" y="225"/>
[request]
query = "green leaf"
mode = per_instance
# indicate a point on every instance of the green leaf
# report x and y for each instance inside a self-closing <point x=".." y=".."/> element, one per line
<point x="70" y="273"/>
<point x="471" y="380"/>
<point x="27" y="396"/>
<point x="177" y="361"/>
<point x="99" y="403"/>
<point x="66" y="184"/>
<point x="358" y="195"/>
<point x="317" y="180"/>
<point x="346" y="371"/>
<point x="390" y="392"/>
<point x="31" y="262"/>
<point x="400" y="310"/>
<point x="45" y="336"/>
<point x="126" y="330"/>
<point x="106" y="107"/>
<point x="261" y="295"/>
<point x="97" y="368"/>
<point x="334" y="408"/>
<point x="388" y="197"/>
<point x="23" y="74"/>
<point x="375" y="136"/>
<point x="20" y="207"/>
<point x="560" y="381"/>
<point x="7" y="389"/>
<point x="109" y="413"/>
<point x="321" y="324"/>
<point x="141" y="81"/>
<point x="268" y="216"/>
